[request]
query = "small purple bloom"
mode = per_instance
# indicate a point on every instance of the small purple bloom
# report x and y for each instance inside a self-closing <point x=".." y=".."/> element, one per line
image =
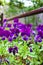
<point x="3" y="38"/>
<point x="40" y="30"/>
<point x="38" y="38"/>
<point x="5" y="20"/>
<point x="16" y="20"/>
<point x="11" y="35"/>
<point x="26" y="32"/>
<point x="33" y="32"/>
<point x="31" y="49"/>
<point x="10" y="49"/>
<point x="8" y="25"/>
<point x="6" y="33"/>
<point x="20" y="26"/>
<point x="15" y="36"/>
<point x="10" y="39"/>
<point x="4" y="23"/>
<point x="39" y="27"/>
<point x="40" y="33"/>
<point x="14" y="30"/>
<point x="29" y="25"/>
<point x="15" y="50"/>
<point x="25" y="38"/>
<point x="15" y="25"/>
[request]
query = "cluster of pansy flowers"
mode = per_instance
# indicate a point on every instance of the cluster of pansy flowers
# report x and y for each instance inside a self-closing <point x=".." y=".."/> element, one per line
<point x="25" y="31"/>
<point x="13" y="50"/>
<point x="12" y="33"/>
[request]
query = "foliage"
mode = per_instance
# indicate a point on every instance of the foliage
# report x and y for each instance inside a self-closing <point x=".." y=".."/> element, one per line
<point x="23" y="54"/>
<point x="37" y="3"/>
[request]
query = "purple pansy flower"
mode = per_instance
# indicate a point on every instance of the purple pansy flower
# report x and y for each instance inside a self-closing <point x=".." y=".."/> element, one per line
<point x="14" y="33"/>
<point x="40" y="30"/>
<point x="16" y="20"/>
<point x="15" y="36"/>
<point x="10" y="49"/>
<point x="3" y="38"/>
<point x="26" y="32"/>
<point x="14" y="30"/>
<point x="29" y="25"/>
<point x="8" y="25"/>
<point x="33" y="32"/>
<point x="5" y="20"/>
<point x="10" y="39"/>
<point x="15" y="50"/>
<point x="4" y="23"/>
<point x="7" y="33"/>
<point x="25" y="38"/>
<point x="38" y="38"/>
